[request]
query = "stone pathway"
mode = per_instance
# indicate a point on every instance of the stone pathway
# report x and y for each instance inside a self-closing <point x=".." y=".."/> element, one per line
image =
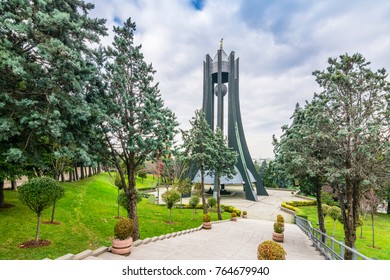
<point x="229" y="240"/>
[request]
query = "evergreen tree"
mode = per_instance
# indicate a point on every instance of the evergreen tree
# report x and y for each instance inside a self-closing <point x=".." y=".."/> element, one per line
<point x="134" y="124"/>
<point x="44" y="70"/>
<point x="223" y="164"/>
<point x="302" y="152"/>
<point x="355" y="107"/>
<point x="199" y="147"/>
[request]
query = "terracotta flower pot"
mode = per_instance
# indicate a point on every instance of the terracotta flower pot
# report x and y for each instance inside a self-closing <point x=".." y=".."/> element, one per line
<point x="207" y="225"/>
<point x="278" y="237"/>
<point x="245" y="216"/>
<point x="234" y="219"/>
<point x="122" y="247"/>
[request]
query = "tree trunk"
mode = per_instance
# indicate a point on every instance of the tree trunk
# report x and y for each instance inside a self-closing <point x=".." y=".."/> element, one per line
<point x="388" y="204"/>
<point x="202" y="191"/>
<point x="38" y="227"/>
<point x="119" y="213"/>
<point x="99" y="168"/>
<point x="76" y="173"/>
<point x="348" y="217"/>
<point x="89" y="171"/>
<point x="373" y="231"/>
<point x="131" y="193"/>
<point x="82" y="175"/>
<point x="53" y="211"/>
<point x="62" y="176"/>
<point x="321" y="221"/>
<point x="2" y="203"/>
<point x="13" y="185"/>
<point x="219" y="199"/>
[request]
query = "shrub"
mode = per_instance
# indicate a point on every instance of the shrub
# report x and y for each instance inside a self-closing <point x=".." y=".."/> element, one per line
<point x="193" y="202"/>
<point x="206" y="218"/>
<point x="302" y="203"/>
<point x="124" y="228"/>
<point x="234" y="214"/>
<point x="211" y="202"/>
<point x="270" y="250"/>
<point x="244" y="213"/>
<point x="325" y="208"/>
<point x="285" y="205"/>
<point x="280" y="218"/>
<point x="152" y="199"/>
<point x="38" y="194"/>
<point x="278" y="227"/>
<point x="334" y="212"/>
<point x="171" y="197"/>
<point x="327" y="198"/>
<point x="123" y="200"/>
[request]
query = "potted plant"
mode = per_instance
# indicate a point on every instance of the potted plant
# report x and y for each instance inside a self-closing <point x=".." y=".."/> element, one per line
<point x="244" y="214"/>
<point x="234" y="217"/>
<point x="123" y="242"/>
<point x="270" y="250"/>
<point x="207" y="221"/>
<point x="278" y="234"/>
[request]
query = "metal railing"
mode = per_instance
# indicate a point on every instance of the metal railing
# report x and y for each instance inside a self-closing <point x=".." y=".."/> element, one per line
<point x="331" y="248"/>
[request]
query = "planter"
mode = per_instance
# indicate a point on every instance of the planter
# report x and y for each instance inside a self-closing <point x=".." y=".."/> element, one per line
<point x="278" y="237"/>
<point x="207" y="225"/>
<point x="122" y="247"/>
<point x="234" y="219"/>
<point x="245" y="216"/>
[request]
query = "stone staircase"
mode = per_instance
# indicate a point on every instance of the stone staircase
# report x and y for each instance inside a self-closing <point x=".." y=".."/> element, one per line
<point x="96" y="254"/>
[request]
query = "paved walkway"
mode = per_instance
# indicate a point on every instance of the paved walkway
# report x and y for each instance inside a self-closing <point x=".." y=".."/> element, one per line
<point x="231" y="240"/>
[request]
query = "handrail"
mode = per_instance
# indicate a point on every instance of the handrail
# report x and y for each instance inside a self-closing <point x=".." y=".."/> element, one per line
<point x="326" y="244"/>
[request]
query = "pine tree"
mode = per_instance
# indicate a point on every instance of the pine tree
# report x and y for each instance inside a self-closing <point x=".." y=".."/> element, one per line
<point x="356" y="106"/>
<point x="224" y="162"/>
<point x="44" y="72"/>
<point x="134" y="124"/>
<point x="198" y="145"/>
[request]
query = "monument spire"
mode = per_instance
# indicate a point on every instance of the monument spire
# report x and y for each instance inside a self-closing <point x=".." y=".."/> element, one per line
<point x="221" y="77"/>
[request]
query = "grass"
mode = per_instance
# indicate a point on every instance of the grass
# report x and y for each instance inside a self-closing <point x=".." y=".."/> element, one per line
<point x="364" y="244"/>
<point x="87" y="216"/>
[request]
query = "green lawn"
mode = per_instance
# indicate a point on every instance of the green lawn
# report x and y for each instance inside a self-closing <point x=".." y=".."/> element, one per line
<point x="87" y="215"/>
<point x="363" y="245"/>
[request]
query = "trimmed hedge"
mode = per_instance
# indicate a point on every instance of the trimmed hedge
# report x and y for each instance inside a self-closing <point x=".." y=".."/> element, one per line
<point x="298" y="212"/>
<point x="302" y="203"/>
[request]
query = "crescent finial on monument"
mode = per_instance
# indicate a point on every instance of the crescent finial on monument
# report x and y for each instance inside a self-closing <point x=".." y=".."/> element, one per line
<point x="220" y="43"/>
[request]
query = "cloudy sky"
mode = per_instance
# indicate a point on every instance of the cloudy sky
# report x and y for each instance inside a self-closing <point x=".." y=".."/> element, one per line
<point x="279" y="44"/>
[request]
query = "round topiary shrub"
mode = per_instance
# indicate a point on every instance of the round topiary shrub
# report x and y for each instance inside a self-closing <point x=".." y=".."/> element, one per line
<point x="211" y="202"/>
<point x="206" y="218"/>
<point x="234" y="214"/>
<point x="278" y="227"/>
<point x="325" y="208"/>
<point x="244" y="212"/>
<point x="124" y="228"/>
<point x="270" y="250"/>
<point x="39" y="194"/>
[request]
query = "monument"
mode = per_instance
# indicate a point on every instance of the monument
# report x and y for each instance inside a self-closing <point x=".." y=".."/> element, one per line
<point x="221" y="77"/>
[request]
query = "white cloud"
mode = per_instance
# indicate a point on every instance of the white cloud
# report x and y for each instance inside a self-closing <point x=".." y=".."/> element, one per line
<point x="279" y="44"/>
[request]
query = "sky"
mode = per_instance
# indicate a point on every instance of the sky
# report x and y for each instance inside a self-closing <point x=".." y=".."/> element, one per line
<point x="279" y="44"/>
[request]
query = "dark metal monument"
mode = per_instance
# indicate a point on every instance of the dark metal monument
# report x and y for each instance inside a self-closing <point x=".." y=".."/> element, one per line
<point x="221" y="76"/>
